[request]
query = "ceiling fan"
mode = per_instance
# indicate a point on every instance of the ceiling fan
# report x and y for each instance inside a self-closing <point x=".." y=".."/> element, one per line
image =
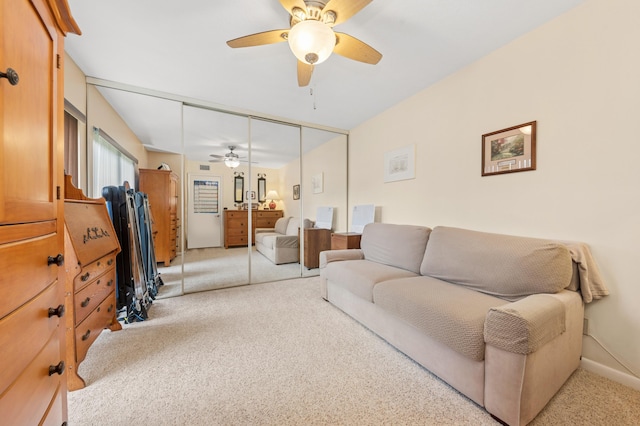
<point x="230" y="159"/>
<point x="311" y="36"/>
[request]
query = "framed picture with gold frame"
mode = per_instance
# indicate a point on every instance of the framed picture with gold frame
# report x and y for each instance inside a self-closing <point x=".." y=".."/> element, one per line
<point x="509" y="150"/>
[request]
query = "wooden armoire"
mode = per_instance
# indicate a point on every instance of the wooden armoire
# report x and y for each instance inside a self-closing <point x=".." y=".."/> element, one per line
<point x="161" y="187"/>
<point x="32" y="336"/>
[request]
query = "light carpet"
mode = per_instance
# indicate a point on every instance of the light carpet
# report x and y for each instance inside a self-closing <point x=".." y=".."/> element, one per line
<point x="277" y="354"/>
<point x="217" y="267"/>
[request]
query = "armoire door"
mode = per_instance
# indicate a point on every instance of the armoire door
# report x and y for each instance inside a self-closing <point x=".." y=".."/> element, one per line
<point x="29" y="113"/>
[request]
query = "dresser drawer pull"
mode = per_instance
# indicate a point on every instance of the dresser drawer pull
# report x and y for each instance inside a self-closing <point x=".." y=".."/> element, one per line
<point x="109" y="262"/>
<point x="86" y="335"/>
<point x="85" y="302"/>
<point x="110" y="283"/>
<point x="59" y="311"/>
<point x="110" y="308"/>
<point x="85" y="276"/>
<point x="58" y="260"/>
<point x="56" y="369"/>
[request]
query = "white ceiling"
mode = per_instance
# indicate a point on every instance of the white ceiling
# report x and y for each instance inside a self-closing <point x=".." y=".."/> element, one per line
<point x="179" y="47"/>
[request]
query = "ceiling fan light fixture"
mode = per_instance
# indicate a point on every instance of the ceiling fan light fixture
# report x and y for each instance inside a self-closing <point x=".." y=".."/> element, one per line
<point x="231" y="162"/>
<point x="311" y="41"/>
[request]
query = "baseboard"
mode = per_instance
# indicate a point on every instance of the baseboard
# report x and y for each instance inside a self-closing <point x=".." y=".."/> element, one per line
<point x="610" y="373"/>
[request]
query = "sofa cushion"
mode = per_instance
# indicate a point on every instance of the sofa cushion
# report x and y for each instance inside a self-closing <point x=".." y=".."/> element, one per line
<point x="281" y="225"/>
<point x="502" y="265"/>
<point x="293" y="226"/>
<point x="401" y="246"/>
<point x="451" y="314"/>
<point x="360" y="276"/>
<point x="263" y="237"/>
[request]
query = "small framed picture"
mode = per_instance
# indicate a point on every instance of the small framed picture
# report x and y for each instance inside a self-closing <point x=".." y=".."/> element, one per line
<point x="251" y="195"/>
<point x="296" y="192"/>
<point x="509" y="150"/>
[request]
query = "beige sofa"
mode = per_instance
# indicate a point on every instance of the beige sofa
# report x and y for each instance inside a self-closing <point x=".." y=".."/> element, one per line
<point x="281" y="244"/>
<point x="497" y="317"/>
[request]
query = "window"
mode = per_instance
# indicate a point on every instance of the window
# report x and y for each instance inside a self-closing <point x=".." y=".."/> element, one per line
<point x="74" y="128"/>
<point x="112" y="165"/>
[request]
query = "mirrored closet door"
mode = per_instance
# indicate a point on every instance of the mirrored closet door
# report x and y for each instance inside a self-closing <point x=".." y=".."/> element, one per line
<point x="256" y="199"/>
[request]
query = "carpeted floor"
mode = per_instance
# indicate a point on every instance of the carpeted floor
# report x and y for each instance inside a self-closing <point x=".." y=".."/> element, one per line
<point x="277" y="354"/>
<point x="215" y="268"/>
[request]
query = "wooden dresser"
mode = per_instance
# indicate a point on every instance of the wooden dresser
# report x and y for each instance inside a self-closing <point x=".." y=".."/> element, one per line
<point x="161" y="187"/>
<point x="90" y="246"/>
<point x="236" y="224"/>
<point x="33" y="388"/>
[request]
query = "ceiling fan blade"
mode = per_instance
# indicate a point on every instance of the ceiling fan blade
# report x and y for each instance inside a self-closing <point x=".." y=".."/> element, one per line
<point x="344" y="9"/>
<point x="259" y="39"/>
<point x="352" y="48"/>
<point x="290" y="4"/>
<point x="304" y="73"/>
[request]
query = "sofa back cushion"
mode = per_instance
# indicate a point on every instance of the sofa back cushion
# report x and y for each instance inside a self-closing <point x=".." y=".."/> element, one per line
<point x="501" y="265"/>
<point x="401" y="246"/>
<point x="281" y="225"/>
<point x="293" y="226"/>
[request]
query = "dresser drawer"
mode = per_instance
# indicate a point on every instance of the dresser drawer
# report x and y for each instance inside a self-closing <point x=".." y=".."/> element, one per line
<point x="238" y="240"/>
<point x="88" y="330"/>
<point x="25" y="272"/>
<point x="28" y="328"/>
<point x="266" y="222"/>
<point x="93" y="294"/>
<point x="28" y="399"/>
<point x="237" y="232"/>
<point x="56" y="414"/>
<point x="238" y="224"/>
<point x="231" y="214"/>
<point x="93" y="270"/>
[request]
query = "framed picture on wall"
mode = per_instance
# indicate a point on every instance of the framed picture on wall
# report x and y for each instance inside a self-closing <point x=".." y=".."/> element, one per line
<point x="400" y="164"/>
<point x="509" y="150"/>
<point x="296" y="192"/>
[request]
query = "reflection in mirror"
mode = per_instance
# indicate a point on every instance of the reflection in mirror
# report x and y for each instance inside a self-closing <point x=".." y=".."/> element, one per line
<point x="152" y="146"/>
<point x="216" y="253"/>
<point x="238" y="187"/>
<point x="323" y="192"/>
<point x="275" y="151"/>
<point x="221" y="238"/>
<point x="262" y="187"/>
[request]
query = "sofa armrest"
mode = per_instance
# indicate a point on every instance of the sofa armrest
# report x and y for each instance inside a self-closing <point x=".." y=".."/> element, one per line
<point x="329" y="256"/>
<point x="259" y="230"/>
<point x="286" y="241"/>
<point x="526" y="325"/>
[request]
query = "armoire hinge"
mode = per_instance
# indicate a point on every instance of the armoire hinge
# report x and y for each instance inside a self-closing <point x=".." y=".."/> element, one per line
<point x="57" y="192"/>
<point x="58" y="61"/>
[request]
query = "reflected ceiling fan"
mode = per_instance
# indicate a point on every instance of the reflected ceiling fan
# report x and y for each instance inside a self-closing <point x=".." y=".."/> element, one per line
<point x="311" y="36"/>
<point x="230" y="159"/>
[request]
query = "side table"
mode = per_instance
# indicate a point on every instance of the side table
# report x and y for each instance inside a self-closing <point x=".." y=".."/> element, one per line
<point x="345" y="240"/>
<point x="315" y="241"/>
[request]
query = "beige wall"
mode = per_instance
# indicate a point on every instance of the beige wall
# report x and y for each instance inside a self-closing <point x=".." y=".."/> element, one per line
<point x="578" y="76"/>
<point x="99" y="114"/>
<point x="330" y="159"/>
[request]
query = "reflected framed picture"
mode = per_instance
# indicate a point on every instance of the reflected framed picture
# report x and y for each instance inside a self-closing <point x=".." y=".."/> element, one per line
<point x="296" y="192"/>
<point x="509" y="150"/>
<point x="317" y="183"/>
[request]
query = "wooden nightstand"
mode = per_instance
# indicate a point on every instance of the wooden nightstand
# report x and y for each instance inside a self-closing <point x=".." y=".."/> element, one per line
<point x="315" y="241"/>
<point x="345" y="240"/>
